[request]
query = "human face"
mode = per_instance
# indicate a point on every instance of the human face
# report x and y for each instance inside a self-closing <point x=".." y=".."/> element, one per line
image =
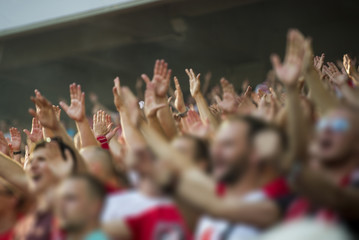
<point x="40" y="175"/>
<point x="336" y="137"/>
<point x="74" y="206"/>
<point x="230" y="151"/>
<point x="268" y="146"/>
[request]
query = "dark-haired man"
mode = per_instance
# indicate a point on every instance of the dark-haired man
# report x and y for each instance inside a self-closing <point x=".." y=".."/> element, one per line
<point x="78" y="207"/>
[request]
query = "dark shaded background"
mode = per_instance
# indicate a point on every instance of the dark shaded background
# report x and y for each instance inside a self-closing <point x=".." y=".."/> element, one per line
<point x="229" y="38"/>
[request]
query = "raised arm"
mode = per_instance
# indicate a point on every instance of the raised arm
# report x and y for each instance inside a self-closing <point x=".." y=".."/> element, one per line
<point x="133" y="137"/>
<point x="151" y="108"/>
<point x="76" y="111"/>
<point x="288" y="73"/>
<point x="195" y="87"/>
<point x="196" y="188"/>
<point x="161" y="81"/>
<point x="48" y="119"/>
<point x="15" y="144"/>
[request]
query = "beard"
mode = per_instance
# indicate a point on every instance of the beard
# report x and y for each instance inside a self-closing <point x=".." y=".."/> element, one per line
<point x="235" y="172"/>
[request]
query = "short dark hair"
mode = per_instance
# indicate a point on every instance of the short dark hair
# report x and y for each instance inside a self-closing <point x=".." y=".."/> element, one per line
<point x="94" y="186"/>
<point x="257" y="125"/>
<point x="201" y="149"/>
<point x="63" y="146"/>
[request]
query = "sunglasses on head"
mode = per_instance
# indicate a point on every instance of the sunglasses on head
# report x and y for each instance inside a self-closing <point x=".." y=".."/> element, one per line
<point x="338" y="125"/>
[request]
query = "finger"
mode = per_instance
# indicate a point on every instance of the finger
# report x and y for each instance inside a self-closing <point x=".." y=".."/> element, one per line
<point x="156" y="67"/>
<point x="218" y="99"/>
<point x="103" y="116"/>
<point x="94" y="118"/>
<point x="146" y="79"/>
<point x="64" y="106"/>
<point x="82" y="99"/>
<point x="98" y="116"/>
<point x="275" y="62"/>
<point x="168" y="75"/>
<point x="188" y="73"/>
<point x="160" y="67"/>
<point x="79" y="93"/>
<point x="32" y="112"/>
<point x="117" y="84"/>
<point x="177" y="85"/>
<point x="72" y="92"/>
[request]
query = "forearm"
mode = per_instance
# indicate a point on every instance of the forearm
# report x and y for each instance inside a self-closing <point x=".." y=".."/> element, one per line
<point x="204" y="111"/>
<point x="198" y="189"/>
<point x="86" y="135"/>
<point x="343" y="200"/>
<point x="298" y="138"/>
<point x="133" y="138"/>
<point x="350" y="94"/>
<point x="322" y="98"/>
<point x="155" y="124"/>
<point x="165" y="119"/>
<point x="13" y="172"/>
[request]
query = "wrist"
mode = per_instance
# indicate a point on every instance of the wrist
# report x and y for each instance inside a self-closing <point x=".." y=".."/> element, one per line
<point x="182" y="109"/>
<point x="16" y="152"/>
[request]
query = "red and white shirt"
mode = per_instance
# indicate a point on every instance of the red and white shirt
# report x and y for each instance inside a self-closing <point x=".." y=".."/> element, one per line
<point x="147" y="218"/>
<point x="210" y="228"/>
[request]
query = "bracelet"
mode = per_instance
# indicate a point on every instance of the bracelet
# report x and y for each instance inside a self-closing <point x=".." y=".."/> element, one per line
<point x="184" y="114"/>
<point x="16" y="153"/>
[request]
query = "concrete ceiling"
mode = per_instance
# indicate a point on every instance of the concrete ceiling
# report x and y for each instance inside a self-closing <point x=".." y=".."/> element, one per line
<point x="229" y="38"/>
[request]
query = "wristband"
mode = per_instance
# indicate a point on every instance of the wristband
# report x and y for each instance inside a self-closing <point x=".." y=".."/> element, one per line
<point x="103" y="141"/>
<point x="184" y="114"/>
<point x="16" y="153"/>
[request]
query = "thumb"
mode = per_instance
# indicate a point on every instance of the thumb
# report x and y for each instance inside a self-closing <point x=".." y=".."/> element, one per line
<point x="27" y="132"/>
<point x="64" y="106"/>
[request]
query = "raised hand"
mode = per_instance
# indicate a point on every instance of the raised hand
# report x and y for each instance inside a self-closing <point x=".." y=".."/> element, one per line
<point x="151" y="106"/>
<point x="76" y="110"/>
<point x="179" y="102"/>
<point x="36" y="131"/>
<point x="112" y="131"/>
<point x="57" y="110"/>
<point x="318" y="62"/>
<point x="290" y="70"/>
<point x="44" y="112"/>
<point x="230" y="100"/>
<point x="100" y="124"/>
<point x="131" y="105"/>
<point x="332" y="71"/>
<point x="161" y="78"/>
<point x="349" y="65"/>
<point x="117" y="97"/>
<point x="15" y="139"/>
<point x="195" y="126"/>
<point x="4" y="146"/>
<point x="194" y="82"/>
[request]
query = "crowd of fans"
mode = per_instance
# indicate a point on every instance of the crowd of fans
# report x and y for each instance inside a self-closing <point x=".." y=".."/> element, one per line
<point x="276" y="162"/>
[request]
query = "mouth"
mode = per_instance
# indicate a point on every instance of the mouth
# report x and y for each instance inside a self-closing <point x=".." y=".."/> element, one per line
<point x="326" y="144"/>
<point x="36" y="178"/>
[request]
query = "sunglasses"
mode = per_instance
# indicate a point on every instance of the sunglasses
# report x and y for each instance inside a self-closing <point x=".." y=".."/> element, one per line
<point x="338" y="125"/>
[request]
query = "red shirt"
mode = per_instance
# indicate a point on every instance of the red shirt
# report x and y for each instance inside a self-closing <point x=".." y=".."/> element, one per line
<point x="147" y="218"/>
<point x="6" y="235"/>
